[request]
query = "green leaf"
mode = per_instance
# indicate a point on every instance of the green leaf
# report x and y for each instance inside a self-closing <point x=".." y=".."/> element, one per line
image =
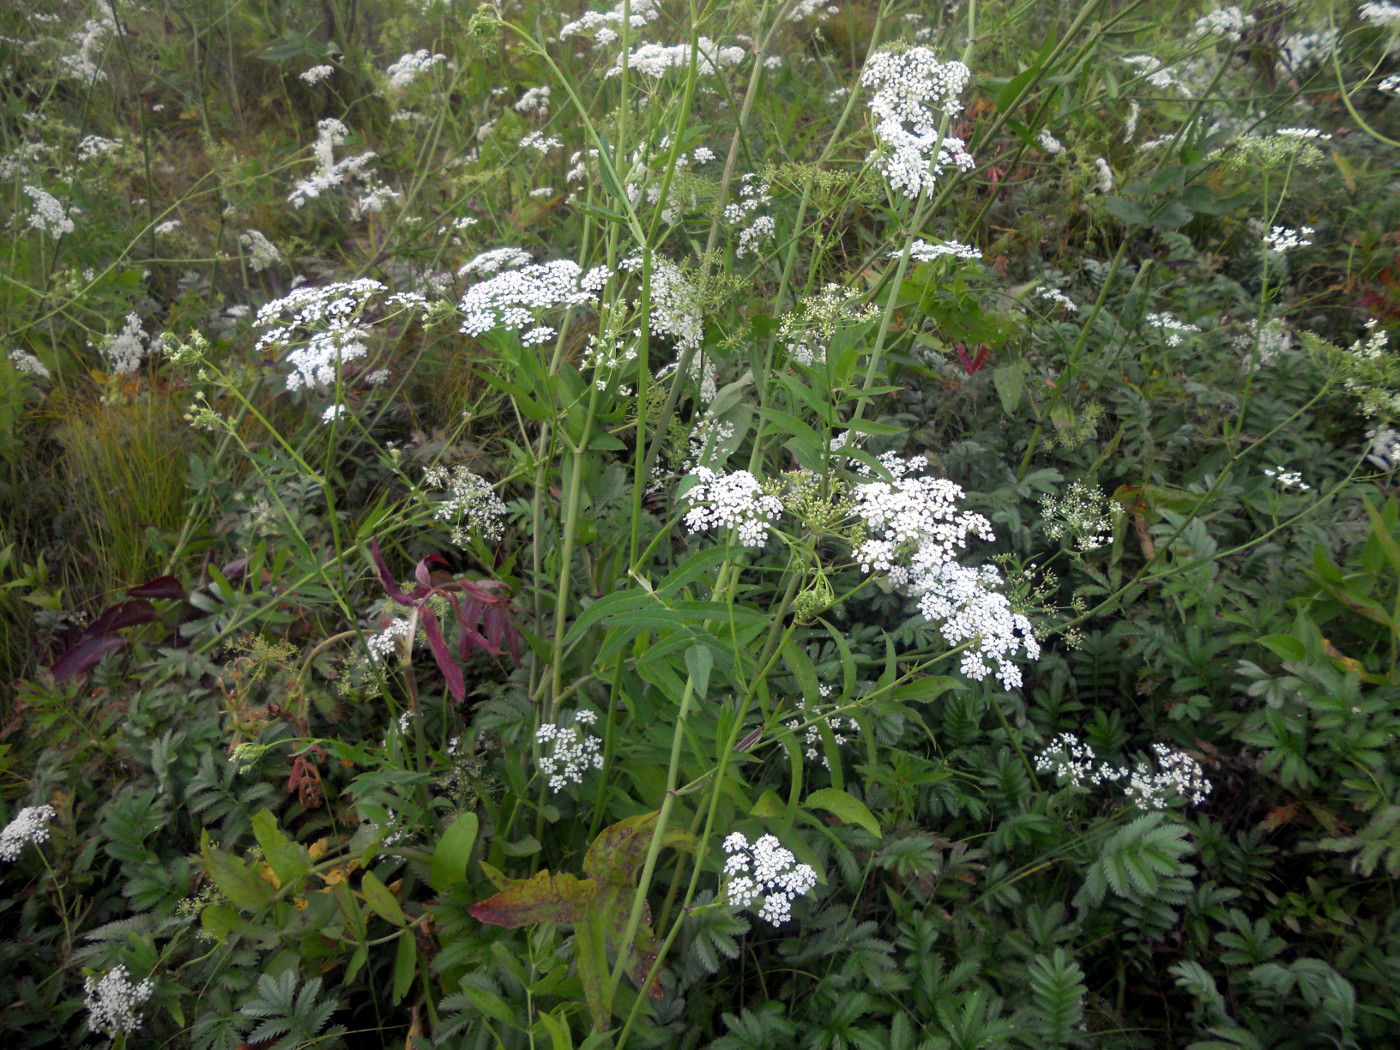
<point x="288" y="860"/>
<point x="1285" y="646"/>
<point x="767" y="806"/>
<point x="1129" y="211"/>
<point x="449" y="864"/>
<point x="381" y="901"/>
<point x="699" y="661"/>
<point x="242" y="887"/>
<point x="1010" y="381"/>
<point x="847" y="808"/>
<point x="559" y="1035"/>
<point x="405" y="966"/>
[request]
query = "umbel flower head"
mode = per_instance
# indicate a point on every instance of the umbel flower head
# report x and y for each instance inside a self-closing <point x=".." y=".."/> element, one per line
<point x="113" y="1001"/>
<point x="913" y="91"/>
<point x="765" y="870"/>
<point x="31" y="824"/>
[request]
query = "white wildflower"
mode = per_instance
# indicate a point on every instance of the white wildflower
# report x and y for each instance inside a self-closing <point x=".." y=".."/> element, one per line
<point x="1382" y="14"/>
<point x="30" y="825"/>
<point x="512" y="299"/>
<point x="49" y="216"/>
<point x="113" y="1001"/>
<point x="569" y="751"/>
<point x="408" y="68"/>
<point x="767" y="869"/>
<point x="126" y="349"/>
<point x="1290" y="479"/>
<point x="923" y="251"/>
<point x="1048" y="142"/>
<point x="1283" y="238"/>
<point x="730" y="501"/>
<point x="1228" y="23"/>
<point x="316" y="74"/>
<point x="913" y="91"/>
<point x="262" y="253"/>
<point x="535" y="100"/>
<point x="471" y="507"/>
<point x="27" y="364"/>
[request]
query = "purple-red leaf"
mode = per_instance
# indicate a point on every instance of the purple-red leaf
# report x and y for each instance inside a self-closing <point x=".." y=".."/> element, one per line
<point x="443" y="655"/>
<point x="160" y="587"/>
<point x="84" y="656"/>
<point x="385" y="579"/>
<point x="123" y="614"/>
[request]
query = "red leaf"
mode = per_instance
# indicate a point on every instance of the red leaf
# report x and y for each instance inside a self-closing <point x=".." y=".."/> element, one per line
<point x="84" y="656"/>
<point x="160" y="587"/>
<point x="543" y="898"/>
<point x="443" y="655"/>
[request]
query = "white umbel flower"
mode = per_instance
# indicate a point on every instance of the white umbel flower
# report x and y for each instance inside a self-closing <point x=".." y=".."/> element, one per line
<point x="113" y="1001"/>
<point x="30" y="824"/>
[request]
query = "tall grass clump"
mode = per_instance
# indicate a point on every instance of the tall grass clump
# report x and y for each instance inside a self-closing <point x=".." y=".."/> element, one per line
<point x="674" y="526"/>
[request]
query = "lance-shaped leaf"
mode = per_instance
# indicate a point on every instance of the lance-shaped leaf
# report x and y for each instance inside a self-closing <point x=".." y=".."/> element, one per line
<point x="542" y="898"/>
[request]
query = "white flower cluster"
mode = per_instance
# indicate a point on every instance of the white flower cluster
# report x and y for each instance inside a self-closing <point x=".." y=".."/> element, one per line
<point x="1283" y="238"/>
<point x="1178" y="776"/>
<point x="1383" y="452"/>
<point x="489" y="263"/>
<point x="166" y="227"/>
<point x="600" y="23"/>
<point x="1377" y="399"/>
<point x="27" y="364"/>
<point x="408" y="68"/>
<point x="1157" y="74"/>
<point x="1075" y="761"/>
<point x="811" y="736"/>
<point x="1390" y="85"/>
<point x="767" y="869"/>
<point x="570" y="751"/>
<point x="471" y="506"/>
<point x="1381" y="14"/>
<point x="1056" y="296"/>
<point x="922" y="251"/>
<point x="1048" y="142"/>
<point x="912" y="89"/>
<point x="385" y="644"/>
<point x="83" y="65"/>
<point x="1289" y="479"/>
<point x="327" y="318"/>
<point x="126" y="349"/>
<point x="1262" y="345"/>
<point x="262" y="253"/>
<point x="653" y="60"/>
<point x="753" y="229"/>
<point x="90" y="146"/>
<point x="675" y="305"/>
<point x="1303" y="133"/>
<point x="1105" y="184"/>
<point x="316" y="74"/>
<point x="915" y="529"/>
<point x="513" y="299"/>
<point x="1171" y="326"/>
<point x="1229" y="23"/>
<point x="49" y="216"/>
<point x="113" y="1001"/>
<point x="1306" y="49"/>
<point x="31" y="824"/>
<point x="730" y="501"/>
<point x="1082" y="513"/>
<point x="535" y="100"/>
<point x="540" y="142"/>
<point x="330" y="172"/>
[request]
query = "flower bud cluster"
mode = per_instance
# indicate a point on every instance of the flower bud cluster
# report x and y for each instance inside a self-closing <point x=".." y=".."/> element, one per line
<point x="766" y="869"/>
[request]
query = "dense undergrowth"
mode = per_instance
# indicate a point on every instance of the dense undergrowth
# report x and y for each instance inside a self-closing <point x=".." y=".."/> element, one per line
<point x="766" y="525"/>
